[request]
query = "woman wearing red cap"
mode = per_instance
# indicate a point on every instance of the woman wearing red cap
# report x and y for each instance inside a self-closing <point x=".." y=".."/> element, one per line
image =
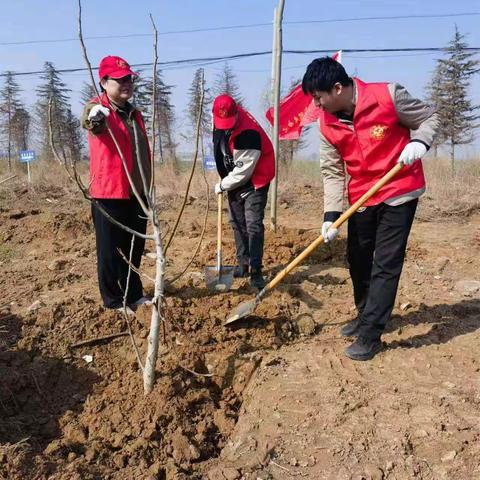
<point x="246" y="164"/>
<point x="109" y="184"/>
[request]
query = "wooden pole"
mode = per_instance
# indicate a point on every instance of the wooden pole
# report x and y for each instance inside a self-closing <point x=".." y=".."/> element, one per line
<point x="276" y="81"/>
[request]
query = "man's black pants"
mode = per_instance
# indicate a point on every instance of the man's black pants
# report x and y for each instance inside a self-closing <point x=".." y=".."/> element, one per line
<point x="377" y="239"/>
<point x="247" y="209"/>
<point x="111" y="267"/>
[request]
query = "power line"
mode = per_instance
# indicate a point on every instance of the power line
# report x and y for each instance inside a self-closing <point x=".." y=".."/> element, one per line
<point x="242" y="26"/>
<point x="208" y="60"/>
<point x="393" y="17"/>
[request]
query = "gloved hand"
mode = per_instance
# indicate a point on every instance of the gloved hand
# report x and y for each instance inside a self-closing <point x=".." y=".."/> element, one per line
<point x="98" y="113"/>
<point x="218" y="188"/>
<point x="328" y="233"/>
<point x="412" y="152"/>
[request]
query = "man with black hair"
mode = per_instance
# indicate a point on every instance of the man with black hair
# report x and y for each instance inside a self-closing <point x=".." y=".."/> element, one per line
<point x="245" y="161"/>
<point x="365" y="129"/>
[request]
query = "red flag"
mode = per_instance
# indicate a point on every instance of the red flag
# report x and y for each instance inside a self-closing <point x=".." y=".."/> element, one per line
<point x="297" y="109"/>
<point x="338" y="56"/>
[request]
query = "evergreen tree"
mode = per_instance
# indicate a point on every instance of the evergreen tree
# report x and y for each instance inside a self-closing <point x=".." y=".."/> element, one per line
<point x="142" y="95"/>
<point x="87" y="92"/>
<point x="55" y="90"/>
<point x="73" y="145"/>
<point x="227" y="83"/>
<point x="9" y="104"/>
<point x="458" y="115"/>
<point x="435" y="96"/>
<point x="165" y="118"/>
<point x="20" y="128"/>
<point x="193" y="107"/>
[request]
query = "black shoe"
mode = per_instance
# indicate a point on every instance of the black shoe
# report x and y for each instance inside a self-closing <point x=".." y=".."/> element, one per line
<point x="351" y="329"/>
<point x="240" y="271"/>
<point x="363" y="348"/>
<point x="256" y="278"/>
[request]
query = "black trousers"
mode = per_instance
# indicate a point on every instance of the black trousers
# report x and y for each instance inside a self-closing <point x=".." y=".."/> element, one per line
<point x="112" y="269"/>
<point x="247" y="209"/>
<point x="377" y="239"/>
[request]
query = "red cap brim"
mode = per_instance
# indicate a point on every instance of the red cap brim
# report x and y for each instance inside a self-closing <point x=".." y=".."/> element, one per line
<point x="122" y="73"/>
<point x="224" y="123"/>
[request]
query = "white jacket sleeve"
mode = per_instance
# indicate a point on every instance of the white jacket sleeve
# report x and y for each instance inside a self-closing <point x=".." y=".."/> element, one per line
<point x="245" y="162"/>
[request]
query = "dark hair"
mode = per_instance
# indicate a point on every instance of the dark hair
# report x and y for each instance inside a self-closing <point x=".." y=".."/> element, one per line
<point x="100" y="84"/>
<point x="322" y="74"/>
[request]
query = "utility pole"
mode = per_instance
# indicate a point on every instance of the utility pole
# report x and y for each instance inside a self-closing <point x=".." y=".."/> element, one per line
<point x="276" y="81"/>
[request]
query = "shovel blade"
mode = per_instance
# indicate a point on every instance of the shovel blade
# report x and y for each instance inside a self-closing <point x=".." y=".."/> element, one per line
<point x="243" y="310"/>
<point x="219" y="281"/>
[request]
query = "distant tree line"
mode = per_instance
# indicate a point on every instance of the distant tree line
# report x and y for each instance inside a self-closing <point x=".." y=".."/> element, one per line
<point x="22" y="128"/>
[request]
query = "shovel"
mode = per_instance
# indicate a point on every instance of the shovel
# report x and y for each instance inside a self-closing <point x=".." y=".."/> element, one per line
<point x="220" y="277"/>
<point x="247" y="308"/>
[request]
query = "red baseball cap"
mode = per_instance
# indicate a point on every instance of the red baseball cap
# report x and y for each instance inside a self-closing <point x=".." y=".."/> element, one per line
<point x="224" y="112"/>
<point x="114" y="67"/>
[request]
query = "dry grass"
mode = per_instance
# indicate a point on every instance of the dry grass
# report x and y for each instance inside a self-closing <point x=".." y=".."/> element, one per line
<point x="451" y="195"/>
<point x="173" y="182"/>
<point x="446" y="195"/>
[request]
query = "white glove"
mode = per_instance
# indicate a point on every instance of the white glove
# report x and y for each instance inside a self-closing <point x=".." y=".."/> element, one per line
<point x="218" y="189"/>
<point x="98" y="112"/>
<point x="328" y="233"/>
<point x="412" y="152"/>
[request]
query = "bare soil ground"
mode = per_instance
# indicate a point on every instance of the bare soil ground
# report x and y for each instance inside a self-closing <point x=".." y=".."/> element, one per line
<point x="277" y="398"/>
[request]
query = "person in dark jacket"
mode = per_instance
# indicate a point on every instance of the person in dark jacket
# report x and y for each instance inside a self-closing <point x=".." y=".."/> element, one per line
<point x="245" y="161"/>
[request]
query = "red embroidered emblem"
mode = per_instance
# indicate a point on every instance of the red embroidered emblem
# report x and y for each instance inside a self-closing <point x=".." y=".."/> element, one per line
<point x="378" y="132"/>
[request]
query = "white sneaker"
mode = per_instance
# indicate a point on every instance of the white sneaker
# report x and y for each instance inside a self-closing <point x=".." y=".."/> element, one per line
<point x="127" y="309"/>
<point x="142" y="301"/>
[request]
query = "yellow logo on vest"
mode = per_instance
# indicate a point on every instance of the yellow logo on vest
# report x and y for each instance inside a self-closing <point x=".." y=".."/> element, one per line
<point x="378" y="132"/>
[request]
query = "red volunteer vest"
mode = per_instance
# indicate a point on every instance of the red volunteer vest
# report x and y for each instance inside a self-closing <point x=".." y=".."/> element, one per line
<point x="107" y="176"/>
<point x="372" y="148"/>
<point x="265" y="167"/>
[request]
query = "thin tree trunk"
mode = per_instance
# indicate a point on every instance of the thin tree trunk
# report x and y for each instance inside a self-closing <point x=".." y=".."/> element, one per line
<point x="153" y="336"/>
<point x="277" y="71"/>
<point x="452" y="157"/>
<point x="9" y="138"/>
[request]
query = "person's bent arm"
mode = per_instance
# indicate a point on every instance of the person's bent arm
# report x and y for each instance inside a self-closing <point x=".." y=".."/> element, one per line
<point x="246" y="152"/>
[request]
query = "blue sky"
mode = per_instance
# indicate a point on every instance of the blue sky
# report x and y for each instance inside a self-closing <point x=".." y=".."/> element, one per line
<point x="33" y="20"/>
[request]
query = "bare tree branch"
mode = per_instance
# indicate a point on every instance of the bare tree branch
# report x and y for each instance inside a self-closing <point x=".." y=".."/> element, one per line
<point x="117" y="146"/>
<point x="76" y="178"/>
<point x="125" y="314"/>
<point x="154" y="104"/>
<point x="197" y="137"/>
<point x="135" y="269"/>
<point x="93" y="341"/>
<point x="7" y="179"/>
<point x="205" y="219"/>
<point x="158" y="297"/>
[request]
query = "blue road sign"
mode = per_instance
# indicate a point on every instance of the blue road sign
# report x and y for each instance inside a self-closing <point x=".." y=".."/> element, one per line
<point x="209" y="162"/>
<point x="27" y="156"/>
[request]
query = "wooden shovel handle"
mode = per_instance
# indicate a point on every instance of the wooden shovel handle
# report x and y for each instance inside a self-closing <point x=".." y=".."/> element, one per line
<point x="343" y="218"/>
<point x="219" y="230"/>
